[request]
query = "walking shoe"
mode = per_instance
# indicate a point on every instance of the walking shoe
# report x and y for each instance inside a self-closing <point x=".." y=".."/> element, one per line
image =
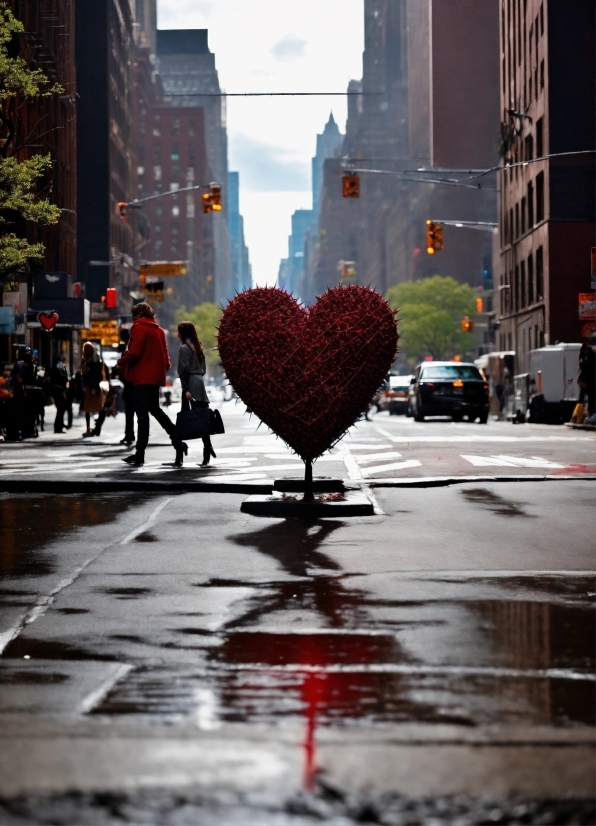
<point x="135" y="460"/>
<point x="127" y="442"/>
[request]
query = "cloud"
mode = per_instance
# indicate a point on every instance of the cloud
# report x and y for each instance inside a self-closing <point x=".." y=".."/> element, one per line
<point x="289" y="48"/>
<point x="267" y="168"/>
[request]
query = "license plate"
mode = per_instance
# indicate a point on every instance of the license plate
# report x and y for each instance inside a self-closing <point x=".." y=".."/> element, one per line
<point x="458" y="391"/>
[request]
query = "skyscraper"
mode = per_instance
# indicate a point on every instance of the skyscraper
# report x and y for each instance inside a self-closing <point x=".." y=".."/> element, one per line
<point x="328" y="144"/>
<point x="187" y="70"/>
<point x="241" y="269"/>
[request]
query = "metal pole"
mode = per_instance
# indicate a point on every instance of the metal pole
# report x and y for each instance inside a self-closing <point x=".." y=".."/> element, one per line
<point x="308" y="491"/>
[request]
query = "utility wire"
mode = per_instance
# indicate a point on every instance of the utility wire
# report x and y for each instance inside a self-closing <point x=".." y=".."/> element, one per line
<point x="262" y="94"/>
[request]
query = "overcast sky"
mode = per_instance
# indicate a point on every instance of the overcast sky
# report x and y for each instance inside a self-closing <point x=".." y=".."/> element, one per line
<point x="275" y="45"/>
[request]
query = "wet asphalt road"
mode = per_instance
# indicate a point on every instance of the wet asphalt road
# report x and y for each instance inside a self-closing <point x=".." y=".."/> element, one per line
<point x="168" y="659"/>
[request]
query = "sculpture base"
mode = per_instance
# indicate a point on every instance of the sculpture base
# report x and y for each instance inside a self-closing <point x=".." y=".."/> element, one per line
<point x="323" y="506"/>
<point x="321" y="484"/>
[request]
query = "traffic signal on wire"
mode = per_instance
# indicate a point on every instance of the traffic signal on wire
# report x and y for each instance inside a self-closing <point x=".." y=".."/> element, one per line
<point x="207" y="207"/>
<point x="215" y="195"/>
<point x="434" y="237"/>
<point x="350" y="185"/>
<point x="122" y="205"/>
<point x="479" y="305"/>
<point x="467" y="326"/>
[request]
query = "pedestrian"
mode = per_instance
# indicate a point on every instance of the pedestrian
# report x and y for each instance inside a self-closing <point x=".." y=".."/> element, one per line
<point x="587" y="378"/>
<point x="73" y="394"/>
<point x="191" y="369"/>
<point x="58" y="388"/>
<point x="146" y="358"/>
<point x="129" y="408"/>
<point x="22" y="377"/>
<point x="94" y="395"/>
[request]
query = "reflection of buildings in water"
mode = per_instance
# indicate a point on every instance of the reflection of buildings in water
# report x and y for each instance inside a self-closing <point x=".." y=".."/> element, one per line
<point x="521" y="639"/>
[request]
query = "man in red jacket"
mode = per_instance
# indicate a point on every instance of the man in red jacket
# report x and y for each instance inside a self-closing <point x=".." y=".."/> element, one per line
<point x="145" y="363"/>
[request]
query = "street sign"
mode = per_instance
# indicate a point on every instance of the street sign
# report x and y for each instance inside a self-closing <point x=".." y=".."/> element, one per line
<point x="589" y="330"/>
<point x="163" y="268"/>
<point x="104" y="331"/>
<point x="587" y="305"/>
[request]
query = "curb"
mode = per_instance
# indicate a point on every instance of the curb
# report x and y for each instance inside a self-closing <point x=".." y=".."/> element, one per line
<point x="264" y="487"/>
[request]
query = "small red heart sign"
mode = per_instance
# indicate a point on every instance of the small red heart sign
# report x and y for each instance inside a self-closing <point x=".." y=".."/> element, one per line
<point x="48" y="320"/>
<point x="307" y="372"/>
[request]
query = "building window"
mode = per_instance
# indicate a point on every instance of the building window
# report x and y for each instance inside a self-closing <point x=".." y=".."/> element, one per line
<point x="156" y="151"/>
<point x="529" y="148"/>
<point x="191" y="128"/>
<point x="190" y="206"/>
<point x="174" y="229"/>
<point x="505" y="229"/>
<point x="141" y="151"/>
<point x="158" y="247"/>
<point x="536" y="82"/>
<point x="175" y="211"/>
<point x="175" y="128"/>
<point x="175" y="156"/>
<point x="157" y="229"/>
<point x="157" y="173"/>
<point x="140" y="171"/>
<point x="516" y="290"/>
<point x="540" y="138"/>
<point x="540" y="196"/>
<point x="511" y="226"/>
<point x="517" y="221"/>
<point x="541" y="75"/>
<point x="523" y="215"/>
<point x="190" y="174"/>
<point x="192" y="152"/>
<point x="539" y="274"/>
<point x="541" y="19"/>
<point x="530" y="205"/>
<point x="141" y="127"/>
<point x="522" y="284"/>
<point x="175" y="172"/>
<point x="157" y="189"/>
<point x="159" y="210"/>
<point x="530" y="279"/>
<point x="174" y="187"/>
<point x="530" y="96"/>
<point x="156" y="126"/>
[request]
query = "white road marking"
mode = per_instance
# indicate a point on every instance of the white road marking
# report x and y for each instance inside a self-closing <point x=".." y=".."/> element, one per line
<point x="294" y="466"/>
<point x="149" y="523"/>
<point x="95" y="697"/>
<point x="510" y="461"/>
<point x="370" y="457"/>
<point x="355" y="473"/>
<point x="240" y="477"/>
<point x="369" y="471"/>
<point x="484" y="439"/>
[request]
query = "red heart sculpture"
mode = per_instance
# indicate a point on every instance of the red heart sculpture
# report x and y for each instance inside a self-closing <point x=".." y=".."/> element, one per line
<point x="48" y="320"/>
<point x="307" y="372"/>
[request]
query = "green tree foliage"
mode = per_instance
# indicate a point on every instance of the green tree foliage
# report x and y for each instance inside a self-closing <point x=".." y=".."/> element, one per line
<point x="430" y="314"/>
<point x="206" y="319"/>
<point x="20" y="177"/>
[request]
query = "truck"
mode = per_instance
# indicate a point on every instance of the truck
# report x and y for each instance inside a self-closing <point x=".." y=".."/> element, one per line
<point x="550" y="390"/>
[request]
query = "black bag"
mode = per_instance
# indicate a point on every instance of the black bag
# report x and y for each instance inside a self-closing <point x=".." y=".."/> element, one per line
<point x="194" y="424"/>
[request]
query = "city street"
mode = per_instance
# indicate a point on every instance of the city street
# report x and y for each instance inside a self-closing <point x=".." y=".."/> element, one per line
<point x="383" y="449"/>
<point x="168" y="659"/>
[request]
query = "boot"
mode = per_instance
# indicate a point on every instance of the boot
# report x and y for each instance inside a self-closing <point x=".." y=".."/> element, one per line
<point x="181" y="451"/>
<point x="207" y="452"/>
<point x="135" y="459"/>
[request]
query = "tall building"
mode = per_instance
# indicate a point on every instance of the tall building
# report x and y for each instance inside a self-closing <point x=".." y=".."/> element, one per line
<point x="105" y="155"/>
<point x="329" y="142"/>
<point x="546" y="212"/>
<point x="146" y="24"/>
<point x="241" y="269"/>
<point x="189" y="77"/>
<point x="45" y="126"/>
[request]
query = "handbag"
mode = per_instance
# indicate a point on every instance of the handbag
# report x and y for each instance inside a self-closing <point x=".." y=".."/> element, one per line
<point x="217" y="425"/>
<point x="193" y="424"/>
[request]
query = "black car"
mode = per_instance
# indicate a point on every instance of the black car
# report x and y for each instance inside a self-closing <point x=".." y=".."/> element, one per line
<point x="447" y="388"/>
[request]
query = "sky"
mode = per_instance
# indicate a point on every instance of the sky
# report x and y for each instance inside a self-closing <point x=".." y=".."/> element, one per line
<point x="277" y="46"/>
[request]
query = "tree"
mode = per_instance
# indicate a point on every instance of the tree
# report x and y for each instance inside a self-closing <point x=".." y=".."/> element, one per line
<point x="206" y="319"/>
<point x="430" y="314"/>
<point x="20" y="199"/>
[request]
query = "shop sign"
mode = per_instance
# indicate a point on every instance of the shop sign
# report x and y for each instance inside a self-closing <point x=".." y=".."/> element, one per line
<point x="106" y="332"/>
<point x="161" y="268"/>
<point x="587" y="305"/>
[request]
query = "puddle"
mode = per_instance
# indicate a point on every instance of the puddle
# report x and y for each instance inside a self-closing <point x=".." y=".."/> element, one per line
<point x="36" y="649"/>
<point x="127" y="593"/>
<point x="29" y="523"/>
<point x="492" y="502"/>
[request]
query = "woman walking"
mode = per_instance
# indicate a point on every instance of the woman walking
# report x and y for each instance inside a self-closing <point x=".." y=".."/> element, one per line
<point x="191" y="369"/>
<point x="94" y="397"/>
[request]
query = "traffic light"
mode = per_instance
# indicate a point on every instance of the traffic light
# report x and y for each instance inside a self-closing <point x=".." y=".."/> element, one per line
<point x="207" y="207"/>
<point x="215" y="194"/>
<point x="122" y="205"/>
<point x="111" y="297"/>
<point x="467" y="326"/>
<point x="350" y="185"/>
<point x="434" y="237"/>
<point x="479" y="305"/>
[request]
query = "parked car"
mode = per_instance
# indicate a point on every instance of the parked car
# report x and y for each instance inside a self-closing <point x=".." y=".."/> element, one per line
<point x="446" y="388"/>
<point x="395" y="396"/>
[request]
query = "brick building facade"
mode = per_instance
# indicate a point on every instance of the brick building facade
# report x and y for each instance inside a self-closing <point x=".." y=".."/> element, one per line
<point x="546" y="213"/>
